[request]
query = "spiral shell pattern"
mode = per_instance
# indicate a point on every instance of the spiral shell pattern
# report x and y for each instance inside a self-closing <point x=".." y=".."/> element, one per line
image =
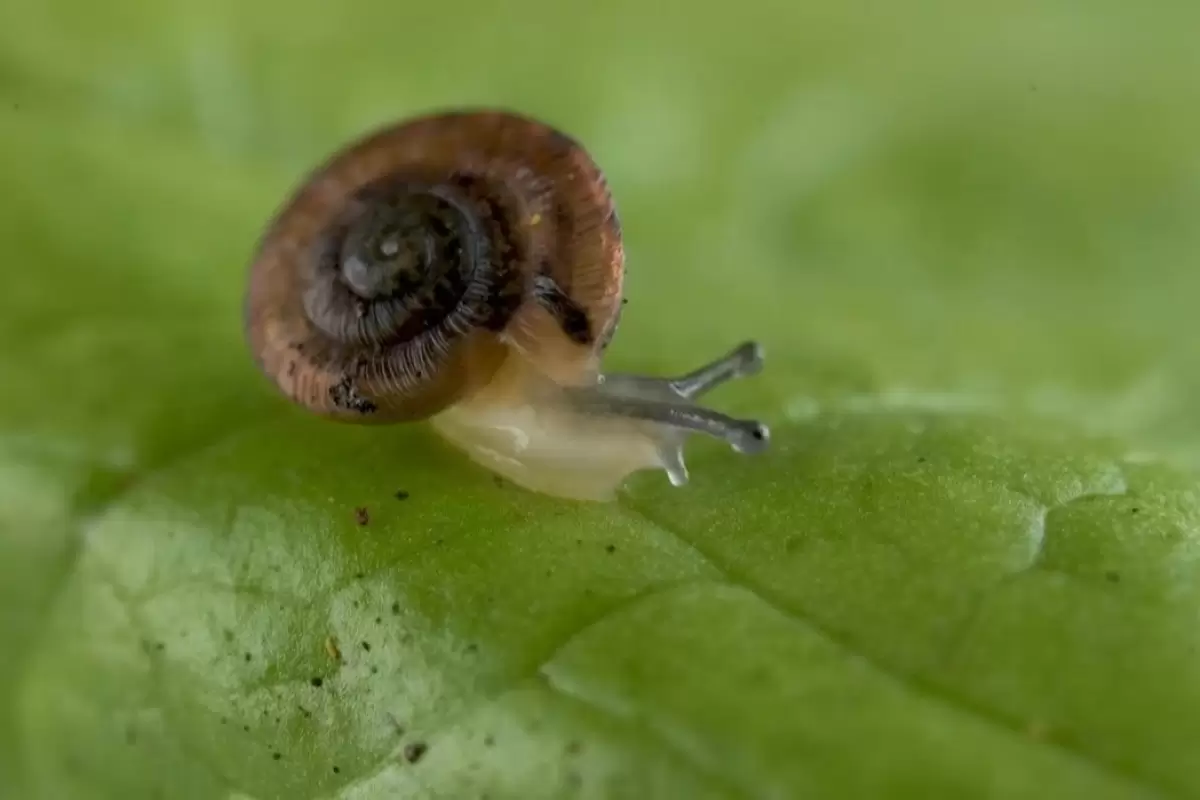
<point x="401" y="275"/>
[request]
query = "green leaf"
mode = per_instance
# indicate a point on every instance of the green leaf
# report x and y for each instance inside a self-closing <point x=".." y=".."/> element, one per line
<point x="968" y="566"/>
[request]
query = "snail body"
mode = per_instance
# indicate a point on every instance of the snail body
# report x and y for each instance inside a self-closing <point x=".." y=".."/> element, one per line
<point x="467" y="268"/>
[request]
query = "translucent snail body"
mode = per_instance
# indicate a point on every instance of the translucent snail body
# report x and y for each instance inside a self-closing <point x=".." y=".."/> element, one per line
<point x="466" y="268"/>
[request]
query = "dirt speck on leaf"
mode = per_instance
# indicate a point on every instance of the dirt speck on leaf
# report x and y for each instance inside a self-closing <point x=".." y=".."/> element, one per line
<point x="415" y="751"/>
<point x="361" y="515"/>
<point x="401" y="494"/>
<point x="317" y="682"/>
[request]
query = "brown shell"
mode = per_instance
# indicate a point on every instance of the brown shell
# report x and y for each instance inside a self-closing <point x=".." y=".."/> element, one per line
<point x="554" y="238"/>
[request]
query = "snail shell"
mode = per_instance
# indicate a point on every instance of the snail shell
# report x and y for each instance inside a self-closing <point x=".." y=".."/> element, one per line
<point x="400" y="277"/>
<point x="467" y="268"/>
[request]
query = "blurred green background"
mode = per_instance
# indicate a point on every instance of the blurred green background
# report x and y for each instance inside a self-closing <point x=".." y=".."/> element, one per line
<point x="937" y="208"/>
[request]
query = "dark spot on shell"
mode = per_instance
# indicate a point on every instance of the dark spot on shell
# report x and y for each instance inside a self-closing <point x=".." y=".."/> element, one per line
<point x="1113" y="576"/>
<point x="396" y="608"/>
<point x="920" y="459"/>
<point x="246" y="728"/>
<point x="362" y="516"/>
<point x="612" y="548"/>
<point x="461" y="180"/>
<point x="374" y="670"/>
<point x="1134" y="510"/>
<point x="415" y="751"/>
<point x="502" y="305"/>
<point x="366" y="646"/>
<point x="276" y="756"/>
<point x="160" y="646"/>
<point x="317" y="682"/>
<point x="379" y="620"/>
<point x="472" y="648"/>
<point x="336" y="769"/>
<point x="358" y="576"/>
<point x="401" y="495"/>
<point x="346" y="397"/>
<point x="570" y="316"/>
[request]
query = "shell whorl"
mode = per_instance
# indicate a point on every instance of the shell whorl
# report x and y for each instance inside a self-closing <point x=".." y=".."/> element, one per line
<point x="406" y="270"/>
<point x="411" y="265"/>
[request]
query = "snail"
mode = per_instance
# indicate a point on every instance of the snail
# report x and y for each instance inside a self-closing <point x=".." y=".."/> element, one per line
<point x="466" y="268"/>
